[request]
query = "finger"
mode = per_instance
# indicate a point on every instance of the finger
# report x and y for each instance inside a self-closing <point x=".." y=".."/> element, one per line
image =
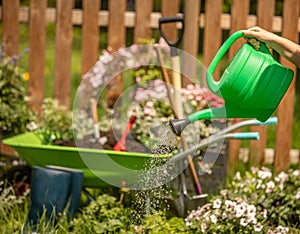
<point x="254" y="42"/>
<point x="250" y="33"/>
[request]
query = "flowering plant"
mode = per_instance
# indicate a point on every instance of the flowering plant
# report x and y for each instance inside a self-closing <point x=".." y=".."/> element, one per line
<point x="257" y="202"/>
<point x="146" y="97"/>
<point x="15" y="116"/>
<point x="151" y="105"/>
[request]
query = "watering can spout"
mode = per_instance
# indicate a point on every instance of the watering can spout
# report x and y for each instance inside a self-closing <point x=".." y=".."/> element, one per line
<point x="178" y="125"/>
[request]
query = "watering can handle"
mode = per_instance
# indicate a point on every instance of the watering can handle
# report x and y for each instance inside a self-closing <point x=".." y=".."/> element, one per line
<point x="213" y="85"/>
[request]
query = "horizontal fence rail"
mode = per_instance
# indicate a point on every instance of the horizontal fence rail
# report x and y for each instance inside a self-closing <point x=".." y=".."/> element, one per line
<point x="130" y="18"/>
<point x="116" y="19"/>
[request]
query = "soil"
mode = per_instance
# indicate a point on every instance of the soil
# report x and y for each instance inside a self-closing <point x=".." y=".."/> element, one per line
<point x="111" y="139"/>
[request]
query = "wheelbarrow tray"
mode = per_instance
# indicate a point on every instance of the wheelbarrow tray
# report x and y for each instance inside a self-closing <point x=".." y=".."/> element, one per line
<point x="95" y="163"/>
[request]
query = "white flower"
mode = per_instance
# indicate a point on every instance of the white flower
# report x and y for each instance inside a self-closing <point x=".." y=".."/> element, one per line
<point x="264" y="174"/>
<point x="270" y="187"/>
<point x="223" y="192"/>
<point x="206" y="206"/>
<point x="238" y="176"/>
<point x="217" y="203"/>
<point x="103" y="140"/>
<point x="31" y="126"/>
<point x="265" y="213"/>
<point x="258" y="227"/>
<point x="254" y="170"/>
<point x="260" y="184"/>
<point x="187" y="223"/>
<point x="240" y="209"/>
<point x="252" y="220"/>
<point x="229" y="204"/>
<point x="296" y="172"/>
<point x="203" y="227"/>
<point x="243" y="222"/>
<point x="281" y="229"/>
<point x="207" y="217"/>
<point x="251" y="211"/>
<point x="213" y="218"/>
<point x="224" y="215"/>
<point x="282" y="177"/>
<point x="297" y="196"/>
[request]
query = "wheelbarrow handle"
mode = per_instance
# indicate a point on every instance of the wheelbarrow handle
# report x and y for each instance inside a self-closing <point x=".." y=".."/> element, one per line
<point x="271" y="121"/>
<point x="245" y="135"/>
<point x="171" y="19"/>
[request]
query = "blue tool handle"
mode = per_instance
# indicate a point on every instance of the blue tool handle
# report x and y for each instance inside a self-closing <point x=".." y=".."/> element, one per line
<point x="268" y="122"/>
<point x="246" y="136"/>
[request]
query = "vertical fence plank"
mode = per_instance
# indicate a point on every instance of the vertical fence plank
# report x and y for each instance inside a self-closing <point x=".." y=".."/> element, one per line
<point x="63" y="51"/>
<point x="286" y="107"/>
<point x="116" y="40"/>
<point x="170" y="8"/>
<point x="116" y="28"/>
<point x="191" y="37"/>
<point x="90" y="34"/>
<point x="37" y="45"/>
<point x="212" y="33"/>
<point x="239" y="14"/>
<point x="10" y="19"/>
<point x="142" y="29"/>
<point x="265" y="13"/>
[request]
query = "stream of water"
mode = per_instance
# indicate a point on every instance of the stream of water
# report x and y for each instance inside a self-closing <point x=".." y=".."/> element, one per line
<point x="154" y="194"/>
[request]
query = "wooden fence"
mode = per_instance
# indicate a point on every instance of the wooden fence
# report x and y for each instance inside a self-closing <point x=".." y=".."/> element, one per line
<point x="144" y="21"/>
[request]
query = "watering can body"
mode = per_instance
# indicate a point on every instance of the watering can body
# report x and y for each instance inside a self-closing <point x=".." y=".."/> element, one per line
<point x="252" y="85"/>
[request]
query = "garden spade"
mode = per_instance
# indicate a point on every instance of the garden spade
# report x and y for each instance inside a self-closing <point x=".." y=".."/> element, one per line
<point x="176" y="78"/>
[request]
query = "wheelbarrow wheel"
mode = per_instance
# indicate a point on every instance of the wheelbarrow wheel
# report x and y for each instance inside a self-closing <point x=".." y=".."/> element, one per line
<point x="19" y="177"/>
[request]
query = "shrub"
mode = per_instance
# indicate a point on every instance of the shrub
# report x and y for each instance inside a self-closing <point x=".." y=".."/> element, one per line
<point x="159" y="224"/>
<point x="15" y="116"/>
<point x="104" y="215"/>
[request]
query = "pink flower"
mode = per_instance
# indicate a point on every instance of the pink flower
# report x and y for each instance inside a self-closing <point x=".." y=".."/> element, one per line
<point x="149" y="111"/>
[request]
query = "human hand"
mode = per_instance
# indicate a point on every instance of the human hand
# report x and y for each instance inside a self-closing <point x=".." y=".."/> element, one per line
<point x="256" y="34"/>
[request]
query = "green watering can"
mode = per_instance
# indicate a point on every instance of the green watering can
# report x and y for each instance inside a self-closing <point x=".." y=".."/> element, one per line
<point x="252" y="85"/>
